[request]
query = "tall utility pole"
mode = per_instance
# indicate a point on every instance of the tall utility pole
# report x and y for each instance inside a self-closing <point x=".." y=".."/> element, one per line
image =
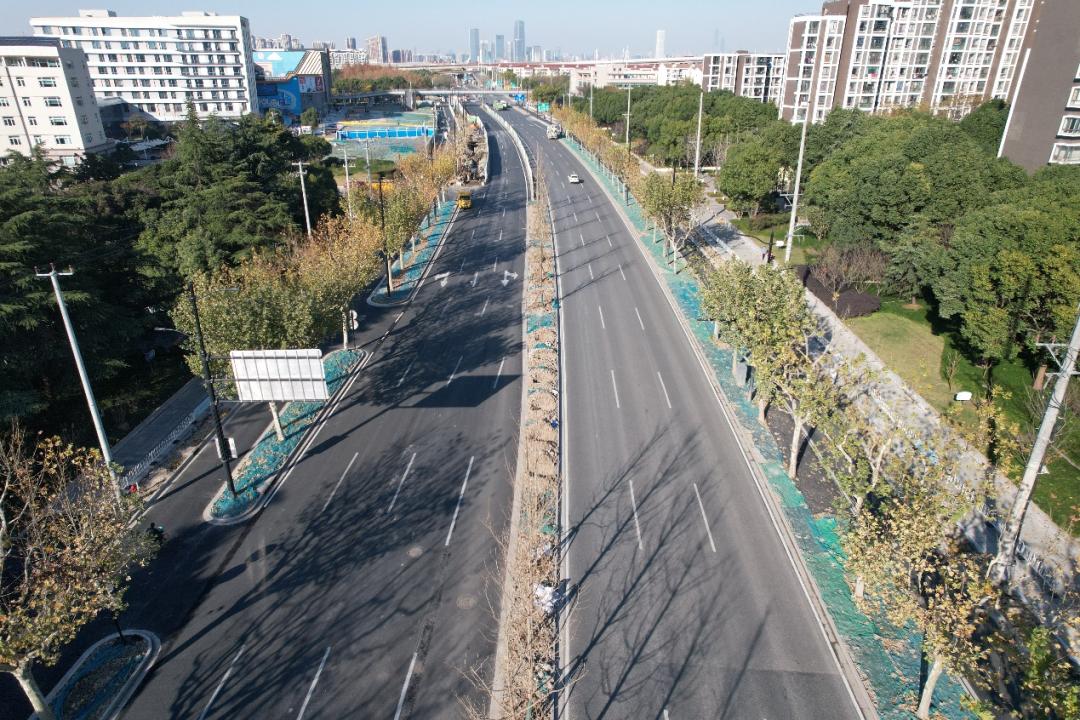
<point x="697" y="146"/>
<point x="303" y="193"/>
<point x="795" y="198"/>
<point x="626" y="180"/>
<point x="208" y="381"/>
<point x="386" y="250"/>
<point x="99" y="426"/>
<point x="348" y="187"/>
<point x="1001" y="568"/>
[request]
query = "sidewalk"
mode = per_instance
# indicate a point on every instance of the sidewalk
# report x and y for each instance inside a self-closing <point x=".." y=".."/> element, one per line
<point x="153" y="438"/>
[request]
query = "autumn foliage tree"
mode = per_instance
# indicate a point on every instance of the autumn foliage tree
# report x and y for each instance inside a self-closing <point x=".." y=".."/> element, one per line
<point x="66" y="546"/>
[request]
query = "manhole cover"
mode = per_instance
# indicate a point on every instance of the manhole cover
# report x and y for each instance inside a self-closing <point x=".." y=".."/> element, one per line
<point x="415" y="551"/>
<point x="466" y="602"/>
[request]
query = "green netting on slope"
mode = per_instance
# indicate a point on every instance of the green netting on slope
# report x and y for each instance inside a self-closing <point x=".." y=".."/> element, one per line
<point x="893" y="673"/>
<point x="536" y="322"/>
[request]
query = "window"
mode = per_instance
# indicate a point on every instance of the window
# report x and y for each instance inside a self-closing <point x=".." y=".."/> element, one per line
<point x="39" y="140"/>
<point x="46" y="82"/>
<point x="14" y="140"/>
<point x="1074" y="97"/>
<point x="74" y="81"/>
<point x="25" y="102"/>
<point x="3" y="102"/>
<point x="1065" y="153"/>
<point x="58" y="120"/>
<point x="31" y="120"/>
<point x="52" y="101"/>
<point x="9" y="121"/>
<point x="62" y="139"/>
<point x="20" y="82"/>
<point x="1070" y="125"/>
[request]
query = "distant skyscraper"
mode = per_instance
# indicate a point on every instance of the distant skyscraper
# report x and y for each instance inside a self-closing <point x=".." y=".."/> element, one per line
<point x="376" y="50"/>
<point x="519" y="41"/>
<point x="661" y="36"/>
<point x="350" y="43"/>
<point x="500" y="48"/>
<point x="474" y="45"/>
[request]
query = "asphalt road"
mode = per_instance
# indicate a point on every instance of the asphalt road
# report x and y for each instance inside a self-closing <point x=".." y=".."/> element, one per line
<point x="367" y="586"/>
<point x="683" y="602"/>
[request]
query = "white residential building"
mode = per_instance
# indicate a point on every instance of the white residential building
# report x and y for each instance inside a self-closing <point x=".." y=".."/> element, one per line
<point x="46" y="100"/>
<point x="341" y="58"/>
<point x="159" y="64"/>
<point x="754" y="75"/>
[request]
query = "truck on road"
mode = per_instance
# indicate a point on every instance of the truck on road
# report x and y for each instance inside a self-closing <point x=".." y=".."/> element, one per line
<point x="554" y="132"/>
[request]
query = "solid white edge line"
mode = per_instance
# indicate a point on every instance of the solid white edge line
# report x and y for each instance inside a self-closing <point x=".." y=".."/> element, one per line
<point x="602" y="323"/>
<point x="704" y="517"/>
<point x="461" y="496"/>
<point x="498" y="375"/>
<point x="664" y="388"/>
<point x="314" y="682"/>
<point x="637" y="524"/>
<point x="616" y="389"/>
<point x="221" y="684"/>
<point x="405" y="688"/>
<point x="458" y="365"/>
<point x="406" y="372"/>
<point x="336" y="486"/>
<point x="401" y="482"/>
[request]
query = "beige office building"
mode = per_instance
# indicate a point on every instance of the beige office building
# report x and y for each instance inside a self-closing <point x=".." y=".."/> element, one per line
<point x="47" y="101"/>
<point x="754" y="75"/>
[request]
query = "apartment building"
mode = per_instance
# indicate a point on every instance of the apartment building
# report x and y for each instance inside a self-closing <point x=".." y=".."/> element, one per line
<point x="754" y="75"/>
<point x="341" y="58"/>
<point x="46" y="100"/>
<point x="947" y="56"/>
<point x="159" y="64"/>
<point x="376" y="50"/>
<point x="1044" y="113"/>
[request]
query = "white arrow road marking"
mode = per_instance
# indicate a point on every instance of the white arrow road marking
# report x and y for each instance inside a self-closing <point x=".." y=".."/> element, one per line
<point x="443" y="277"/>
<point x="508" y="276"/>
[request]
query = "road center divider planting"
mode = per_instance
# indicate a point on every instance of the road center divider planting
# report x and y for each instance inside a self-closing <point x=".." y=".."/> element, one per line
<point x="258" y="472"/>
<point x="885" y="657"/>
<point x="525" y="666"/>
<point x="408" y="275"/>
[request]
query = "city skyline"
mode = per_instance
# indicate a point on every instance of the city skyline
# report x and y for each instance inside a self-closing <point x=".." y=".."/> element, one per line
<point x="693" y="26"/>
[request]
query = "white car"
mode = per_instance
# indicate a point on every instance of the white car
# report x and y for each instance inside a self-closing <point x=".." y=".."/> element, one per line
<point x="574" y="179"/>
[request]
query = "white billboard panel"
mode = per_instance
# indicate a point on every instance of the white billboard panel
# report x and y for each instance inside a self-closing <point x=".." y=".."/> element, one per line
<point x="279" y="375"/>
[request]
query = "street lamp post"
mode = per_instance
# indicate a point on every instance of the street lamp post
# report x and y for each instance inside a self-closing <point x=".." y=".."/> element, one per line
<point x="348" y="187"/>
<point x="626" y="180"/>
<point x="303" y="193"/>
<point x="386" y="250"/>
<point x="84" y="378"/>
<point x="208" y="381"/>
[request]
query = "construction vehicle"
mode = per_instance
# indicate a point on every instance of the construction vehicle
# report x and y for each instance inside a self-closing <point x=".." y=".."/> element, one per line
<point x="464" y="200"/>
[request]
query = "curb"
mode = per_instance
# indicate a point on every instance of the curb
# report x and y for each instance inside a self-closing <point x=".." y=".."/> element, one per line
<point x="270" y="488"/>
<point x="849" y="672"/>
<point x="423" y="275"/>
<point x="113" y="709"/>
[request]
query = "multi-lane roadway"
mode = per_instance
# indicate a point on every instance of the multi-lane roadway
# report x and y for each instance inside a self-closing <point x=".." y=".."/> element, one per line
<point x="367" y="587"/>
<point x="683" y="600"/>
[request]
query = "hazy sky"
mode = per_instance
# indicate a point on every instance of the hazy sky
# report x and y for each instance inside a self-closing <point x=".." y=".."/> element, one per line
<point x="572" y="25"/>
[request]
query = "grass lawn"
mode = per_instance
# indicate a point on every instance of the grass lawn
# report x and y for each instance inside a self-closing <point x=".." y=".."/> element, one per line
<point x="358" y="169"/>
<point x="922" y="352"/>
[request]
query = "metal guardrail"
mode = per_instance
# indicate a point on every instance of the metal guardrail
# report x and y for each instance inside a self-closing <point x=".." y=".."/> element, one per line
<point x="137" y="472"/>
<point x="525" y="158"/>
